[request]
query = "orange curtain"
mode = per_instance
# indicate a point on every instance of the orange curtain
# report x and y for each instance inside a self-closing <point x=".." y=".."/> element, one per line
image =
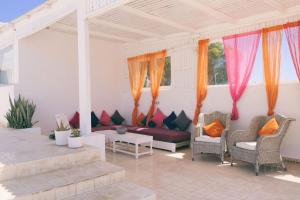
<point x="272" y="39"/>
<point x="202" y="76"/>
<point x="137" y="67"/>
<point x="156" y="69"/>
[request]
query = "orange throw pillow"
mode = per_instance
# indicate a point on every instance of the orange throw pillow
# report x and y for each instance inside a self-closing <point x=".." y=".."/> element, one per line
<point x="269" y="128"/>
<point x="215" y="129"/>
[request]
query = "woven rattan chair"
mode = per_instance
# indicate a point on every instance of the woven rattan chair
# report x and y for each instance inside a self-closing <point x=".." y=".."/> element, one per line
<point x="248" y="146"/>
<point x="202" y="143"/>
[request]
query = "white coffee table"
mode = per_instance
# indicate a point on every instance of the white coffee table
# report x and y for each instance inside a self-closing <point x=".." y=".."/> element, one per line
<point x="138" y="141"/>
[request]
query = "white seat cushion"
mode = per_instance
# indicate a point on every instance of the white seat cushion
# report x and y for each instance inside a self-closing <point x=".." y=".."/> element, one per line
<point x="206" y="138"/>
<point x="247" y="145"/>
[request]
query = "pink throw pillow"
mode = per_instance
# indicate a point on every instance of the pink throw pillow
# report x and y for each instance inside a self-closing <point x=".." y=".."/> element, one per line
<point x="105" y="118"/>
<point x="158" y="118"/>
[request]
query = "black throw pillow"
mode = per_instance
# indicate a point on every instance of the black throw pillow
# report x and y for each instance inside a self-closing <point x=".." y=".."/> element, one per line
<point x="182" y="122"/>
<point x="151" y="124"/>
<point x="169" y="121"/>
<point x="144" y="121"/>
<point x="117" y="118"/>
<point x="94" y="120"/>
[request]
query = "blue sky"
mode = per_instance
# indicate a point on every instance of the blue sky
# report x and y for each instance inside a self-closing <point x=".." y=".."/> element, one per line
<point x="287" y="70"/>
<point x="11" y="9"/>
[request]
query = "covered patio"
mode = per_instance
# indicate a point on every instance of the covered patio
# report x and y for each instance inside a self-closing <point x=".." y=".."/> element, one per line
<point x="92" y="66"/>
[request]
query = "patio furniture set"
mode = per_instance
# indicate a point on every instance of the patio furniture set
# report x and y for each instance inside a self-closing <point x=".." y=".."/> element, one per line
<point x="165" y="133"/>
<point x="243" y="145"/>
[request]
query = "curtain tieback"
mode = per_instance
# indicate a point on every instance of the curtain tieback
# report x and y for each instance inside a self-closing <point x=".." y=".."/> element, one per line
<point x="234" y="104"/>
<point x="154" y="102"/>
<point x="199" y="105"/>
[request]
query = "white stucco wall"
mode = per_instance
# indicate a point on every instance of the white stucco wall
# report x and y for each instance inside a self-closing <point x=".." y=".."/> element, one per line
<point x="5" y="92"/>
<point x="106" y="59"/>
<point x="49" y="75"/>
<point x="181" y="95"/>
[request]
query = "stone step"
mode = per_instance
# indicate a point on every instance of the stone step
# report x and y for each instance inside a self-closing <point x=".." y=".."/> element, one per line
<point x="24" y="155"/>
<point x="118" y="191"/>
<point x="62" y="183"/>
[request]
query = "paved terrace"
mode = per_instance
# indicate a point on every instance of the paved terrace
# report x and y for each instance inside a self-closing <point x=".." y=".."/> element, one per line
<point x="173" y="176"/>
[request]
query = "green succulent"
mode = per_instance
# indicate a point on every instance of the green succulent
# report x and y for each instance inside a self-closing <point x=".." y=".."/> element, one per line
<point x="20" y="113"/>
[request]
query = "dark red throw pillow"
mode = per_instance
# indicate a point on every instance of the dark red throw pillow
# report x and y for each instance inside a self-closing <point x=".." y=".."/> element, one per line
<point x="74" y="122"/>
<point x="105" y="118"/>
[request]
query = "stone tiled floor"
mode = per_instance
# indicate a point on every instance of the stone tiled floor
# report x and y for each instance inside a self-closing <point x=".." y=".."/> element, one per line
<point x="174" y="176"/>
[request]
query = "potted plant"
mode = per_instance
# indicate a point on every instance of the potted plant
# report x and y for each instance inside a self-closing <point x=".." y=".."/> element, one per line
<point x="61" y="134"/>
<point x="74" y="140"/>
<point x="20" y="115"/>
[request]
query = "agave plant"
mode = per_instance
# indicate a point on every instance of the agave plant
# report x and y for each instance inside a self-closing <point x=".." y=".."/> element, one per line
<point x="20" y="113"/>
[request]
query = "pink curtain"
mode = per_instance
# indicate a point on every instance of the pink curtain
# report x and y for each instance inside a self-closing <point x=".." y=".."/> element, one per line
<point x="240" y="53"/>
<point x="292" y="32"/>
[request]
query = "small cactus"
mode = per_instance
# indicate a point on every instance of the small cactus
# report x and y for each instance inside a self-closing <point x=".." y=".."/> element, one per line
<point x="75" y="132"/>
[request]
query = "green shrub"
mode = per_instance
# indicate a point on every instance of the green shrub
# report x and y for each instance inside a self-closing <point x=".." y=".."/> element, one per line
<point x="20" y="113"/>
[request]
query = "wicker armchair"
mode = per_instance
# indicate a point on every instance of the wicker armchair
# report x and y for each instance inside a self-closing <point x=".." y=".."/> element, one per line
<point x="248" y="146"/>
<point x="202" y="143"/>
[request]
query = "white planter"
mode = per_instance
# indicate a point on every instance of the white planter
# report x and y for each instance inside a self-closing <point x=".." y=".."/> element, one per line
<point x="61" y="137"/>
<point x="74" y="142"/>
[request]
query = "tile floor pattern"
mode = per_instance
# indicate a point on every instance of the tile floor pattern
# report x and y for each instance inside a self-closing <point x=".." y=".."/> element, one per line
<point x="173" y="176"/>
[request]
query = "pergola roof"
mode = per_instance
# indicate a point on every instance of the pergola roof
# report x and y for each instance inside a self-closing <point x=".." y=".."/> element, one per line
<point x="145" y="19"/>
<point x="139" y="20"/>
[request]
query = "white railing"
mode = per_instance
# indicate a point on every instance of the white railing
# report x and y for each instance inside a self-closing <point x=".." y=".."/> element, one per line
<point x="94" y="5"/>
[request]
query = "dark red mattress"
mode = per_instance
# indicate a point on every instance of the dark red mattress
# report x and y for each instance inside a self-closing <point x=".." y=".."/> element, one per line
<point x="160" y="134"/>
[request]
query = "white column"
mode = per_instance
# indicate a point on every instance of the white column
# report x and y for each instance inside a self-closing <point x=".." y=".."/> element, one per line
<point x="84" y="69"/>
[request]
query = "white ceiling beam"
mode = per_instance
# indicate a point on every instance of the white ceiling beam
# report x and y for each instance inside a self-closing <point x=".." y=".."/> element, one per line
<point x="276" y="5"/>
<point x="93" y="33"/>
<point x="109" y="36"/>
<point x="124" y="28"/>
<point x="208" y="10"/>
<point x="157" y="19"/>
<point x="72" y="32"/>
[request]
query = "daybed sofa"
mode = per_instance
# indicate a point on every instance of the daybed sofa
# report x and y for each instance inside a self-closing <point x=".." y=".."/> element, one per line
<point x="170" y="135"/>
<point x="163" y="138"/>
